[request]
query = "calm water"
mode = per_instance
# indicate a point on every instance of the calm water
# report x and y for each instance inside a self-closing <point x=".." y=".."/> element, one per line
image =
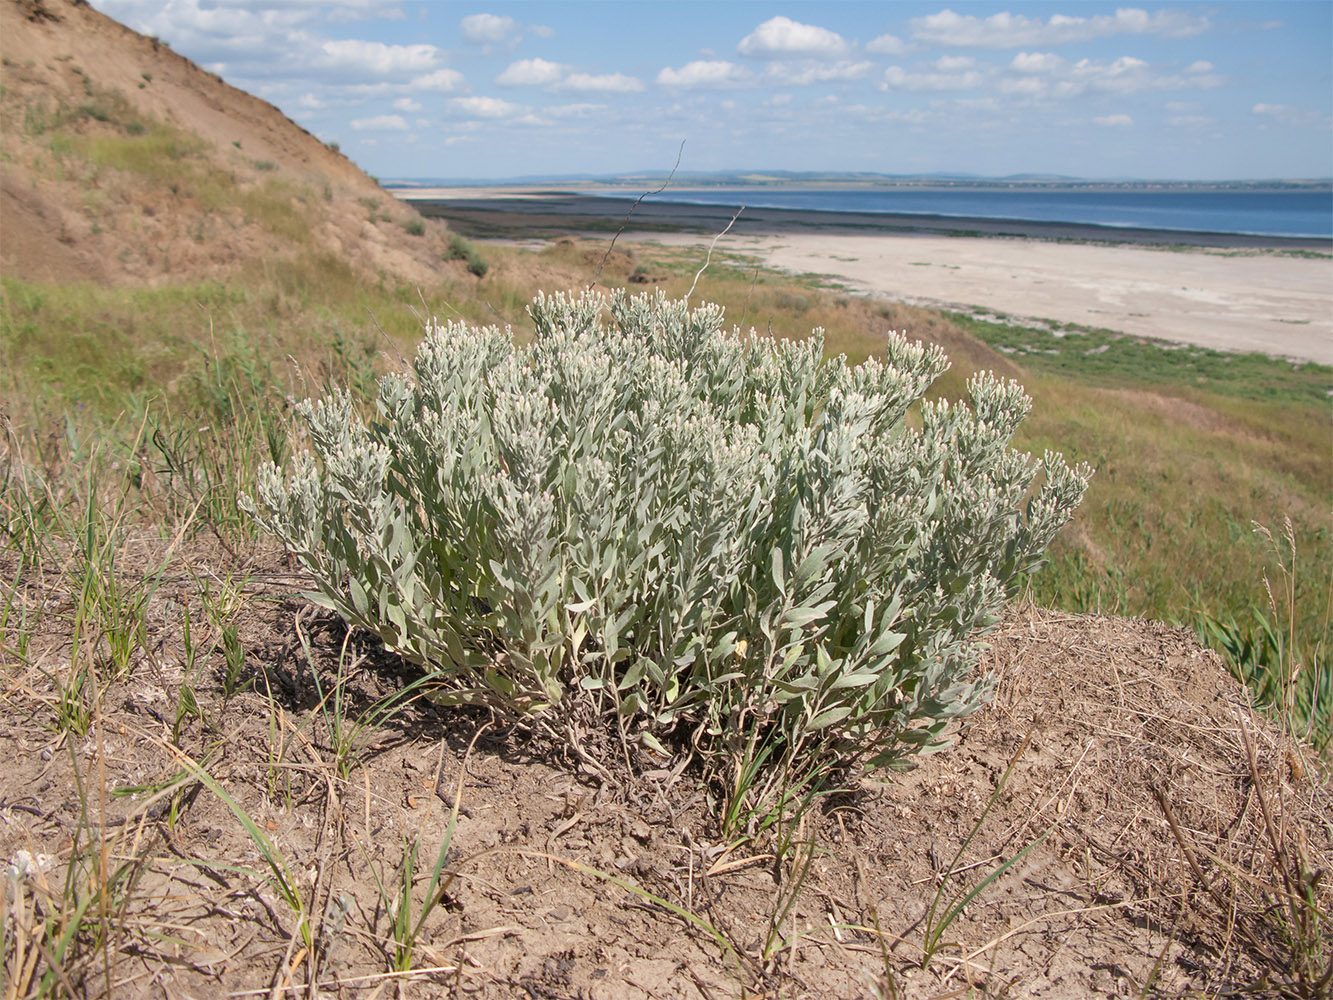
<point x="1267" y="213"/>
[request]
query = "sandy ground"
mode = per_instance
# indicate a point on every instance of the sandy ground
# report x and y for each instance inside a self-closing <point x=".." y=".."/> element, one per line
<point x="1273" y="304"/>
<point x="1231" y="293"/>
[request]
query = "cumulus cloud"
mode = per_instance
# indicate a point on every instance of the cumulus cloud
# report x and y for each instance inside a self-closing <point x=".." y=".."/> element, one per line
<point x="703" y="73"/>
<point x="897" y="78"/>
<point x="950" y="64"/>
<point x="1048" y="75"/>
<point x="483" y="29"/>
<point x="483" y="107"/>
<point x="779" y="37"/>
<point x="1199" y="66"/>
<point x="380" y="123"/>
<point x="406" y="104"/>
<point x="886" y="45"/>
<point x="600" y="83"/>
<point x="531" y="73"/>
<point x="1005" y="30"/>
<point x="1114" y="121"/>
<point x="378" y="58"/>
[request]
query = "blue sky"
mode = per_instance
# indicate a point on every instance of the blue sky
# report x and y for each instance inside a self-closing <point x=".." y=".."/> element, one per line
<point x="452" y="90"/>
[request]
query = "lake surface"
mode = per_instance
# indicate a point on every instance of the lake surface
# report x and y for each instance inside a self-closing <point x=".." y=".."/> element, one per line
<point x="1264" y="213"/>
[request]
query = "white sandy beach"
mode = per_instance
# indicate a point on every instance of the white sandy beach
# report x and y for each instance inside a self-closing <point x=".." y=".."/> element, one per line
<point x="1227" y="294"/>
<point x="1271" y="303"/>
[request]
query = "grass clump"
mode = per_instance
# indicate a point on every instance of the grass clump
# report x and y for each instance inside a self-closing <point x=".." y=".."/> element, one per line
<point x="463" y="249"/>
<point x="731" y="542"/>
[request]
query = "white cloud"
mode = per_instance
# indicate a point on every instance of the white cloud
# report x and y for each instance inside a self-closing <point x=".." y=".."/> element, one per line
<point x="542" y="30"/>
<point x="1024" y="86"/>
<point x="897" y="78"/>
<point x="381" y="123"/>
<point x="950" y="64"/>
<point x="886" y="45"/>
<point x="574" y="110"/>
<point x="1200" y="66"/>
<point x="1005" y="30"/>
<point x="1045" y="74"/>
<point x="704" y="73"/>
<point x="1191" y="121"/>
<point x="378" y="58"/>
<point x="485" y="28"/>
<point x="483" y="107"/>
<point x="808" y="71"/>
<point x="1114" y="121"/>
<point x="310" y="102"/>
<point x="1036" y="62"/>
<point x="781" y="36"/>
<point x="406" y="104"/>
<point x="1288" y="115"/>
<point x="531" y="73"/>
<point x="603" y="83"/>
<point x="443" y="81"/>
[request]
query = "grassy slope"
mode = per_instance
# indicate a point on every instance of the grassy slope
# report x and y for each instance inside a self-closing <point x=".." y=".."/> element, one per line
<point x="1186" y="462"/>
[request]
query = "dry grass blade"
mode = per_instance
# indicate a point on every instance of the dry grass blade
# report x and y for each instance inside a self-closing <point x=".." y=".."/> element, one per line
<point x="1281" y="919"/>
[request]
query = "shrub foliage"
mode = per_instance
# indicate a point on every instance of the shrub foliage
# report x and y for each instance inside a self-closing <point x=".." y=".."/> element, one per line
<point x="693" y="534"/>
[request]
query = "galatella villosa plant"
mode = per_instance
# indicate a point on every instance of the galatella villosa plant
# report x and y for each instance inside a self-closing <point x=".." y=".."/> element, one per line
<point x="691" y="533"/>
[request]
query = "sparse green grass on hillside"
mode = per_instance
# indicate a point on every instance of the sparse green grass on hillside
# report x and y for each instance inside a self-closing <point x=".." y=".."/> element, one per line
<point x="104" y="140"/>
<point x="1165" y="531"/>
<point x="1104" y="357"/>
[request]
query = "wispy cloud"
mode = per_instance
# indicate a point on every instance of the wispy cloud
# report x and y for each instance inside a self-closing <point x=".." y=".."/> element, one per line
<point x="617" y="83"/>
<point x="381" y="123"/>
<point x="704" y="74"/>
<point x="807" y="71"/>
<point x="1005" y="30"/>
<point x="1286" y="114"/>
<point x="484" y="107"/>
<point x="897" y="78"/>
<point x="482" y="29"/>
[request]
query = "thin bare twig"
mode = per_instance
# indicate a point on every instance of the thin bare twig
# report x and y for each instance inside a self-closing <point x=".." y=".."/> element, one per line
<point x="708" y="259"/>
<point x="607" y="256"/>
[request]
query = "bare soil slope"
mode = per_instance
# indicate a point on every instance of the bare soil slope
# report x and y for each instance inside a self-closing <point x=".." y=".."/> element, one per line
<point x="1119" y="767"/>
<point x="125" y="162"/>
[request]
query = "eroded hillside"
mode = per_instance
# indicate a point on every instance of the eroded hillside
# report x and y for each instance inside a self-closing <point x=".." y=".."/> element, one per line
<point x="121" y="161"/>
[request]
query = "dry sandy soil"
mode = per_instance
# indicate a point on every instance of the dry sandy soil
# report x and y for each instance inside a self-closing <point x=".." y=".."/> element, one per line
<point x="1235" y="295"/>
<point x="561" y="883"/>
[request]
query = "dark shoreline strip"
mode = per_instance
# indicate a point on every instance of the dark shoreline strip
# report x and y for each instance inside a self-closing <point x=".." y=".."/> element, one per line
<point x="556" y="211"/>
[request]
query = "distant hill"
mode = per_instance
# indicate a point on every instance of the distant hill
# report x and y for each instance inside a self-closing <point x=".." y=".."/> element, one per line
<point x="121" y="161"/>
<point x="861" y="179"/>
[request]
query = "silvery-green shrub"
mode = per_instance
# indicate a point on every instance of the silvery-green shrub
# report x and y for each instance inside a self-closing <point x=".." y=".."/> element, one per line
<point x="696" y="536"/>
